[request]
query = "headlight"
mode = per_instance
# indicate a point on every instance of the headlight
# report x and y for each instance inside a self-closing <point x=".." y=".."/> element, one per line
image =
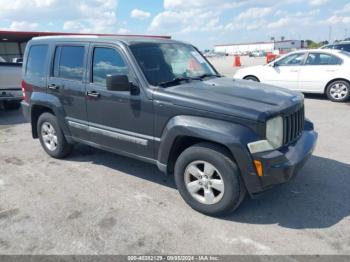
<point x="274" y="131"/>
<point x="274" y="136"/>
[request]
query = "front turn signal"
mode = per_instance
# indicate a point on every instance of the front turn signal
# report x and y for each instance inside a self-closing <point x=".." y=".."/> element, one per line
<point x="258" y="167"/>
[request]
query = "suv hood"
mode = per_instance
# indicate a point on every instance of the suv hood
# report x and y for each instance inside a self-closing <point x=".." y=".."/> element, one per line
<point x="240" y="98"/>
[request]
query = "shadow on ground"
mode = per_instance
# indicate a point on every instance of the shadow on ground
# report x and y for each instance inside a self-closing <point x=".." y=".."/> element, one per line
<point x="321" y="97"/>
<point x="11" y="117"/>
<point x="122" y="164"/>
<point x="316" y="96"/>
<point x="318" y="197"/>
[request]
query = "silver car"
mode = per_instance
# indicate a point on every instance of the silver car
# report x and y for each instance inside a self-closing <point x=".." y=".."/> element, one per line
<point x="10" y="84"/>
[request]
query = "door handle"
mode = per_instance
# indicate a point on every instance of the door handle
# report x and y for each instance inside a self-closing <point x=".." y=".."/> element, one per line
<point x="93" y="94"/>
<point x="53" y="87"/>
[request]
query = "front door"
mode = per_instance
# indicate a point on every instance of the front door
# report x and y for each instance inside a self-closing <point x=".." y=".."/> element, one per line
<point x="66" y="82"/>
<point x="285" y="72"/>
<point x="118" y="120"/>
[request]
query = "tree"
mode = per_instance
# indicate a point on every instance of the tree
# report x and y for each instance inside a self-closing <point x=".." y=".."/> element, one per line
<point x="313" y="45"/>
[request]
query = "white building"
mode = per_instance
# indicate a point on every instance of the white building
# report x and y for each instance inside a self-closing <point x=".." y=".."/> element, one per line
<point x="260" y="46"/>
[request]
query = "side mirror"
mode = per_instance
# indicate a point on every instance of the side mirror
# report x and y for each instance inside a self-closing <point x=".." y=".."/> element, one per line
<point x="118" y="83"/>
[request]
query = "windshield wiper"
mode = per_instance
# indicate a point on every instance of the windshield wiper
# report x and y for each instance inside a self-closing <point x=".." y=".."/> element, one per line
<point x="178" y="80"/>
<point x="208" y="75"/>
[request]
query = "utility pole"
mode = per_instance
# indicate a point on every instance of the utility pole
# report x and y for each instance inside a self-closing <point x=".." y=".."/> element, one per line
<point x="330" y="34"/>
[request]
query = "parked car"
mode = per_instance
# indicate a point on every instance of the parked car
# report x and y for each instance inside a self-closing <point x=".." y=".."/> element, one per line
<point x="10" y="84"/>
<point x="257" y="54"/>
<point x="214" y="54"/>
<point x="344" y="45"/>
<point x="161" y="101"/>
<point x="320" y="71"/>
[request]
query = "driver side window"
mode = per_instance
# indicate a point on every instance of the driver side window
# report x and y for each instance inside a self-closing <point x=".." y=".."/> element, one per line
<point x="107" y="61"/>
<point x="292" y="60"/>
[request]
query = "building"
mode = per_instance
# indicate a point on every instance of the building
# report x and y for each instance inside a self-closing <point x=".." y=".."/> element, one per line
<point x="13" y="43"/>
<point x="285" y="45"/>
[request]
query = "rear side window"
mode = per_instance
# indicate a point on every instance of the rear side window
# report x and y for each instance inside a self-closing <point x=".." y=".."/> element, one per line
<point x="322" y="59"/>
<point x="69" y="61"/>
<point x="36" y="61"/>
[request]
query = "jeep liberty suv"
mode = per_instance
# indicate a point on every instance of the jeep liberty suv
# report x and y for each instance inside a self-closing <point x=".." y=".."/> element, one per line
<point x="160" y="101"/>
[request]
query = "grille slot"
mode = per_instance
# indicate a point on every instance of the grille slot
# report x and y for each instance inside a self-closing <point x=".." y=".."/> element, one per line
<point x="293" y="126"/>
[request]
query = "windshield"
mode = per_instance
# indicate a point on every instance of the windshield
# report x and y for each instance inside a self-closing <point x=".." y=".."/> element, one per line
<point x="164" y="62"/>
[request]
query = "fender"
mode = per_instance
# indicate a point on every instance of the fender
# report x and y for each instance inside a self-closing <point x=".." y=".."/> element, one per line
<point x="52" y="102"/>
<point x="234" y="136"/>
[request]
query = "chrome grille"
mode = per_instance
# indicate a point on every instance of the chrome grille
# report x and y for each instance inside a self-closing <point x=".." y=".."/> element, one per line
<point x="293" y="126"/>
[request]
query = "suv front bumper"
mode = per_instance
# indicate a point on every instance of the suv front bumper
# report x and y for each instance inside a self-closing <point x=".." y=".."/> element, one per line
<point x="280" y="166"/>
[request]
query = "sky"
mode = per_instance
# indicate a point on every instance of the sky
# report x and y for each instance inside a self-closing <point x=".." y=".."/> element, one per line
<point x="203" y="23"/>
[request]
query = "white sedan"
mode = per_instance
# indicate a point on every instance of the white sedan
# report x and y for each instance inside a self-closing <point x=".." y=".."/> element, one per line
<point x="310" y="71"/>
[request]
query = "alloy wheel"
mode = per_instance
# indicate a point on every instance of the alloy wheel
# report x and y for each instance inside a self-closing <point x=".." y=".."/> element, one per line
<point x="204" y="182"/>
<point x="338" y="91"/>
<point x="49" y="136"/>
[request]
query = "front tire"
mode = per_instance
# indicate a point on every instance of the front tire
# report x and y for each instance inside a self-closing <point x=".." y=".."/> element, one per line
<point x="338" y="91"/>
<point x="209" y="180"/>
<point x="51" y="136"/>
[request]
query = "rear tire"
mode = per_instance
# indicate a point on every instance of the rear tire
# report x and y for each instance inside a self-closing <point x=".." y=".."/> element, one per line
<point x="338" y="91"/>
<point x="203" y="191"/>
<point x="51" y="136"/>
<point x="12" y="105"/>
<point x="251" y="78"/>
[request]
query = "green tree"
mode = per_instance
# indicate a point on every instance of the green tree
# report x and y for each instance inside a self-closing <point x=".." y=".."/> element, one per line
<point x="312" y="45"/>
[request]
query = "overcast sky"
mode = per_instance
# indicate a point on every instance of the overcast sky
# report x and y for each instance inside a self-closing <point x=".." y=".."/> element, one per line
<point x="201" y="22"/>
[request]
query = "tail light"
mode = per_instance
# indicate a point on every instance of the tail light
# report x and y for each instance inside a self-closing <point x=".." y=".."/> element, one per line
<point x="25" y="89"/>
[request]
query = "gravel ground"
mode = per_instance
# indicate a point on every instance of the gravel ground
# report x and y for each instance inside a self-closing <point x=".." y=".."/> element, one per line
<point x="96" y="202"/>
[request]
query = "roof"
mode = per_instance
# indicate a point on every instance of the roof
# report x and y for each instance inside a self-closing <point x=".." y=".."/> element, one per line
<point x="258" y="43"/>
<point x="23" y="36"/>
<point x="331" y="51"/>
<point x="129" y="40"/>
<point x="341" y="42"/>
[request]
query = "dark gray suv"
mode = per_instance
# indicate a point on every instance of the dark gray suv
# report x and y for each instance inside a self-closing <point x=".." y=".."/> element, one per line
<point x="162" y="102"/>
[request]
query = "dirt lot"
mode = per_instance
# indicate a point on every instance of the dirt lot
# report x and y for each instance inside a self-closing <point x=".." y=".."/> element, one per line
<point x="95" y="202"/>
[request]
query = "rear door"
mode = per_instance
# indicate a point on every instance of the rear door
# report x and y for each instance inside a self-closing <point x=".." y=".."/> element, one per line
<point x="67" y="83"/>
<point x="286" y="71"/>
<point x="318" y="70"/>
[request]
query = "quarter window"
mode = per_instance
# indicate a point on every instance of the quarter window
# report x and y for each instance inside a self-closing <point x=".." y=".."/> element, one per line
<point x="107" y="61"/>
<point x="36" y="61"/>
<point x="69" y="62"/>
<point x="322" y="59"/>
